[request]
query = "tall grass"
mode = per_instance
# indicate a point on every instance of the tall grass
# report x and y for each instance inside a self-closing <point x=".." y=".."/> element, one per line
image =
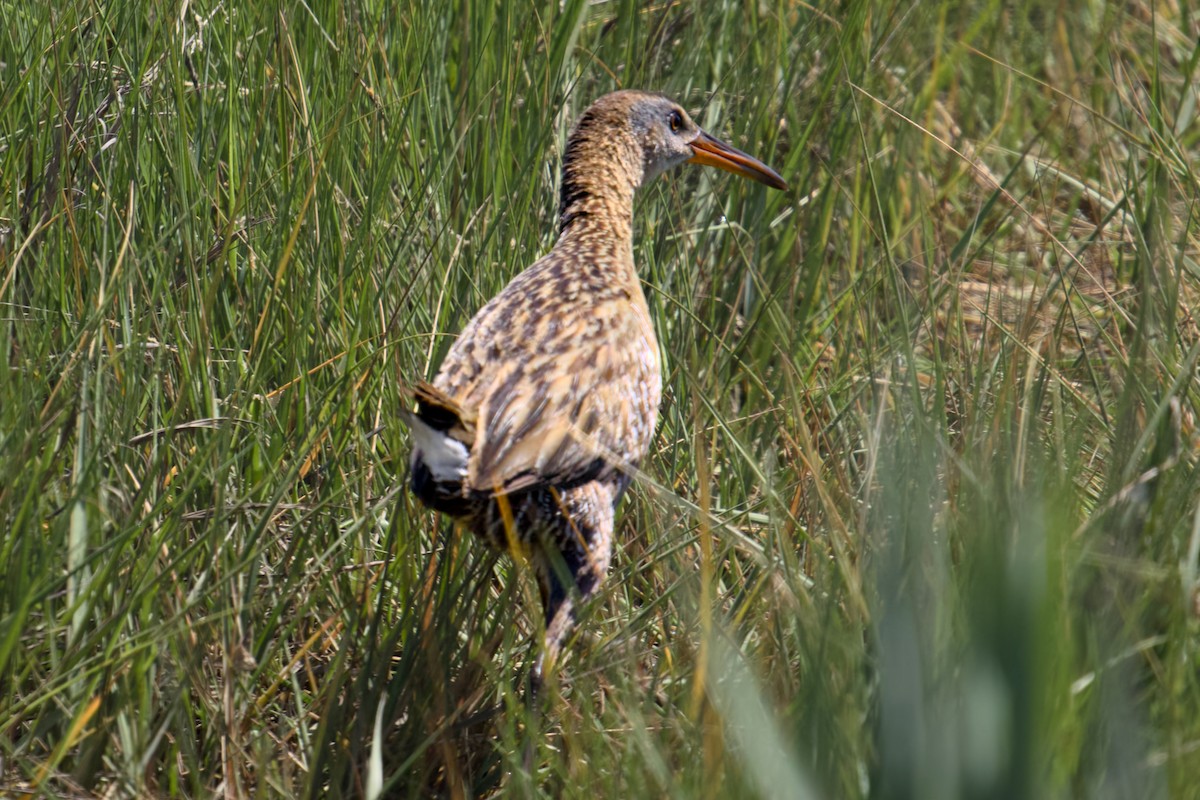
<point x="921" y="515"/>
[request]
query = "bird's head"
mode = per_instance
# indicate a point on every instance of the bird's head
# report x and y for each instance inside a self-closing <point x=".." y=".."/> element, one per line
<point x="668" y="137"/>
<point x="626" y="138"/>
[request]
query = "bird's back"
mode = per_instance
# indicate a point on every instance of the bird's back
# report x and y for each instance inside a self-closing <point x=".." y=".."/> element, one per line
<point x="560" y="372"/>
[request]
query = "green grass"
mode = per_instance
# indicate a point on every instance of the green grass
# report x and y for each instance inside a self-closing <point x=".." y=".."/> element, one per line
<point x="920" y="519"/>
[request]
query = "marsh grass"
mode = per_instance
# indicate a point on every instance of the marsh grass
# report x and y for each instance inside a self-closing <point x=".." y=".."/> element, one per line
<point x="920" y="519"/>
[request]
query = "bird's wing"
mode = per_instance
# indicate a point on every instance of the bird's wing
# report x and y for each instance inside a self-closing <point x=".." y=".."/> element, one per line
<point x="560" y="396"/>
<point x="570" y="414"/>
<point x="567" y="417"/>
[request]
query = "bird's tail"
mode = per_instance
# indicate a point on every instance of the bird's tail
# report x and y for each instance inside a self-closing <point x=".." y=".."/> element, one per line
<point x="443" y="413"/>
<point x="443" y="433"/>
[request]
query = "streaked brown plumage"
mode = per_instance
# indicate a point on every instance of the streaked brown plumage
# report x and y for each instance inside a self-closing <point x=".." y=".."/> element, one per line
<point x="549" y="398"/>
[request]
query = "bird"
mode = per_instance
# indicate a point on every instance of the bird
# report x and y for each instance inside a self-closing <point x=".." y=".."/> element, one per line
<point x="546" y="403"/>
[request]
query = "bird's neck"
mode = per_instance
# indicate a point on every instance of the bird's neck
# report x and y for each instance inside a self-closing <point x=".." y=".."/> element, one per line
<point x="598" y="222"/>
<point x="598" y="200"/>
<point x="599" y="245"/>
<point x="601" y="171"/>
<point x="596" y="229"/>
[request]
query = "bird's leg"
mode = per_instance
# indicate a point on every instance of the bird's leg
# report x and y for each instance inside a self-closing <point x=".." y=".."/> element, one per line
<point x="564" y="573"/>
<point x="558" y="604"/>
<point x="573" y="562"/>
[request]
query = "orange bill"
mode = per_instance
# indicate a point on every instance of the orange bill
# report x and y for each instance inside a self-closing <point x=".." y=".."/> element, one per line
<point x="712" y="152"/>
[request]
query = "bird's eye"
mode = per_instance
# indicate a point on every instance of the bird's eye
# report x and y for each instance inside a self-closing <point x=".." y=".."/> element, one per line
<point x="676" y="121"/>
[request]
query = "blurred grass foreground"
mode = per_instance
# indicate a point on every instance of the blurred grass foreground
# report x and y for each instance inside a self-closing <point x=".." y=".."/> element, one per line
<point x="921" y="516"/>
